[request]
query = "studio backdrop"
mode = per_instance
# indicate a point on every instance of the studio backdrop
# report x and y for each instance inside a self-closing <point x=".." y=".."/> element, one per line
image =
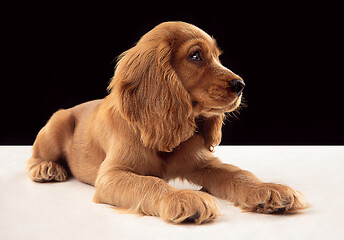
<point x="60" y="56"/>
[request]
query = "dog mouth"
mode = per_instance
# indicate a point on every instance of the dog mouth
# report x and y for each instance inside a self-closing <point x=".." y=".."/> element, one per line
<point x="209" y="111"/>
<point x="228" y="108"/>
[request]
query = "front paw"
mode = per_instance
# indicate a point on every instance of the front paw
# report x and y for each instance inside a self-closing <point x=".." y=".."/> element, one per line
<point x="188" y="205"/>
<point x="272" y="198"/>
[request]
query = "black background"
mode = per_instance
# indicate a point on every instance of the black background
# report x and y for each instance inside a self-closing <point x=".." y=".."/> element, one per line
<point x="57" y="56"/>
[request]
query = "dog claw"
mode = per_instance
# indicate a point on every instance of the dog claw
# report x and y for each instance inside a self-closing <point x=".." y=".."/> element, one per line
<point x="280" y="210"/>
<point x="262" y="205"/>
<point x="192" y="218"/>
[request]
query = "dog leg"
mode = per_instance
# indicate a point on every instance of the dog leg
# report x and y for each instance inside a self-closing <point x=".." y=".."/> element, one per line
<point x="245" y="190"/>
<point x="153" y="196"/>
<point x="48" y="148"/>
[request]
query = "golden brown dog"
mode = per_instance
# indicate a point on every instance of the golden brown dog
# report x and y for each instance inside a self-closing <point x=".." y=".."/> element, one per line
<point x="160" y="121"/>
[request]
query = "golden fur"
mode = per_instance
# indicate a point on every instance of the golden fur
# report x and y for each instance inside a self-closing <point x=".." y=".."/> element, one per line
<point x="160" y="121"/>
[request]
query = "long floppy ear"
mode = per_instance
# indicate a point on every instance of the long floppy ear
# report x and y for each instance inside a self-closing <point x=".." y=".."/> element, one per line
<point x="211" y="131"/>
<point x="151" y="97"/>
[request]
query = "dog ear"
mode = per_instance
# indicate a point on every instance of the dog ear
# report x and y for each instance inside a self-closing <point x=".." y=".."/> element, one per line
<point x="151" y="97"/>
<point x="211" y="130"/>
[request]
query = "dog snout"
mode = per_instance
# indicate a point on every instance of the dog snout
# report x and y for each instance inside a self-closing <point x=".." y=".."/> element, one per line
<point x="237" y="85"/>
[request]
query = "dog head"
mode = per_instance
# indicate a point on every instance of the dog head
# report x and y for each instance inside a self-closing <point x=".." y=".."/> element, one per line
<point x="172" y="76"/>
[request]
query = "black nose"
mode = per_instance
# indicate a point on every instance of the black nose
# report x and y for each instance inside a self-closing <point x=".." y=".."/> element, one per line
<point x="237" y="85"/>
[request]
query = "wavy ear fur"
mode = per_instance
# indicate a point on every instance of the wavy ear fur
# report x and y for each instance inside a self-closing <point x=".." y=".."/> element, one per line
<point x="210" y="129"/>
<point x="151" y="97"/>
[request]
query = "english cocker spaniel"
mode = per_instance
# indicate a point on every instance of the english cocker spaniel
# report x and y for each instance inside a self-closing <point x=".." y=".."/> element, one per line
<point x="161" y="121"/>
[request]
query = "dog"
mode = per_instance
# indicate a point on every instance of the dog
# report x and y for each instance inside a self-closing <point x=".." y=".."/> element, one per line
<point x="160" y="121"/>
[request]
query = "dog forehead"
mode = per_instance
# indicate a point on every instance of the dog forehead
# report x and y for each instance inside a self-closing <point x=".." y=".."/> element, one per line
<point x="195" y="32"/>
<point x="183" y="30"/>
<point x="180" y="35"/>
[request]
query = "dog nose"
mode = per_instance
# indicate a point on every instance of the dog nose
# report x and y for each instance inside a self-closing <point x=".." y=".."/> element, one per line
<point x="237" y="85"/>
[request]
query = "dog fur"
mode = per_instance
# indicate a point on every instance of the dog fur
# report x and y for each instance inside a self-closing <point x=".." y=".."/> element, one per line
<point x="161" y="120"/>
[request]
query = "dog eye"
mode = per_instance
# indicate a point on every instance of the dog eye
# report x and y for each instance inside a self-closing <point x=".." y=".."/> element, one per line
<point x="196" y="56"/>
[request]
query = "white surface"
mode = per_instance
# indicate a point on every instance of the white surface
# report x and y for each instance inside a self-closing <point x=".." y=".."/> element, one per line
<point x="51" y="211"/>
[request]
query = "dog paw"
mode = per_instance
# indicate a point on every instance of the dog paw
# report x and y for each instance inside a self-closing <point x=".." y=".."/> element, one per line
<point x="188" y="206"/>
<point x="273" y="198"/>
<point x="47" y="171"/>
